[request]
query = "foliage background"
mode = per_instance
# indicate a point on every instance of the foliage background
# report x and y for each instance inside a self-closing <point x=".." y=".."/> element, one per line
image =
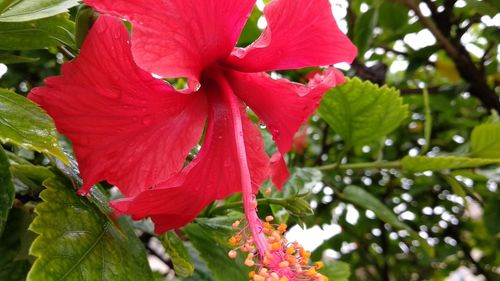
<point x="403" y="181"/>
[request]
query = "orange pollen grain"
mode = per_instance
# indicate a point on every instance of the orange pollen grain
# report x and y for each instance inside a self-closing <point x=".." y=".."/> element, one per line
<point x="284" y="264"/>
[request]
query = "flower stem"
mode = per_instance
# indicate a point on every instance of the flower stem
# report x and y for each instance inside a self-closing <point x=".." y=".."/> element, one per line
<point x="366" y="165"/>
<point x="249" y="200"/>
<point x="428" y="122"/>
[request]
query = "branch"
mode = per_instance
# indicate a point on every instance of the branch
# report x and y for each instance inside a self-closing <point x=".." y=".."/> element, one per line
<point x="457" y="52"/>
<point x="429" y="24"/>
<point x="431" y="90"/>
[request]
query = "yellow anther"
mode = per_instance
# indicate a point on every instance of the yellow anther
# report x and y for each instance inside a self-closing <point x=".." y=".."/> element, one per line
<point x="236" y="224"/>
<point x="311" y="271"/>
<point x="291" y="259"/>
<point x="276" y="246"/>
<point x="266" y="260"/>
<point x="259" y="278"/>
<point x="318" y="277"/>
<point x="305" y="254"/>
<point x="251" y="274"/>
<point x="233" y="241"/>
<point x="284" y="279"/>
<point x="282" y="228"/>
<point x="284" y="264"/>
<point x="249" y="263"/>
<point x="290" y="250"/>
<point x="319" y="264"/>
<point x="232" y="254"/>
<point x="298" y="268"/>
<point x="263" y="272"/>
<point x="267" y="231"/>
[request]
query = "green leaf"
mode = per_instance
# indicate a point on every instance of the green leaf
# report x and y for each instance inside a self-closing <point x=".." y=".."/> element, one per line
<point x="482" y="7"/>
<point x="28" y="179"/>
<point x="35" y="174"/>
<point x="361" y="112"/>
<point x="485" y="141"/>
<point x="178" y="254"/>
<point x="85" y="17"/>
<point x="360" y="197"/>
<point x="12" y="59"/>
<point x="423" y="163"/>
<point x="201" y="271"/>
<point x="420" y="57"/>
<point x="37" y="34"/>
<point x="250" y="32"/>
<point x="456" y="186"/>
<point x="491" y="215"/>
<point x="363" y="29"/>
<point x="78" y="242"/>
<point x="14" y="258"/>
<point x="210" y="238"/>
<point x="336" y="270"/>
<point x="26" y="10"/>
<point x="7" y="191"/>
<point x="24" y="123"/>
<point x="393" y="16"/>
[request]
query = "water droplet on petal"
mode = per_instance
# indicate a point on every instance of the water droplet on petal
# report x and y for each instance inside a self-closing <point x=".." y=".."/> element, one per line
<point x="262" y="125"/>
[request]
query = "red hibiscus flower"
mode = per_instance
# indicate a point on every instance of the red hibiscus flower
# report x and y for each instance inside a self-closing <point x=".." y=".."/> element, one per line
<point x="135" y="131"/>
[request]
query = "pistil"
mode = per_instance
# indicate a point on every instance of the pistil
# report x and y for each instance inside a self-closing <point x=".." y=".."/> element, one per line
<point x="276" y="259"/>
<point x="249" y="201"/>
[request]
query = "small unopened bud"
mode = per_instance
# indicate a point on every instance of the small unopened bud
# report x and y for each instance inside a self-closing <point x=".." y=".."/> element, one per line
<point x="298" y="207"/>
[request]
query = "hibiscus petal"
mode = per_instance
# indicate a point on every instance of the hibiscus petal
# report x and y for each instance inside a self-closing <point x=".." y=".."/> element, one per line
<point x="126" y="127"/>
<point x="179" y="38"/>
<point x="282" y="105"/>
<point x="213" y="174"/>
<point x="300" y="33"/>
<point x="279" y="171"/>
